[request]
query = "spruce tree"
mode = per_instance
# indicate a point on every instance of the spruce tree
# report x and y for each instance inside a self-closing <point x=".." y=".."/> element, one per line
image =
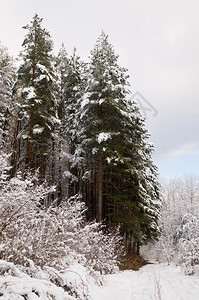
<point x="7" y="74"/>
<point x="74" y="89"/>
<point x="37" y="108"/>
<point x="61" y="69"/>
<point x="70" y="74"/>
<point x="102" y="116"/>
<point x="139" y="194"/>
<point x="120" y="179"/>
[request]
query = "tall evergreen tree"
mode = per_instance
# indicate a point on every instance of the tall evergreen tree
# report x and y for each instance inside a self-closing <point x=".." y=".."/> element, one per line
<point x="61" y="68"/>
<point x="7" y="74"/>
<point x="37" y="108"/>
<point x="137" y="203"/>
<point x="120" y="179"/>
<point x="74" y="89"/>
<point x="70" y="74"/>
<point x="102" y="119"/>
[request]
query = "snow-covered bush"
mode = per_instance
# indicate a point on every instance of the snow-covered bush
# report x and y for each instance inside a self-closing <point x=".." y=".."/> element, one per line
<point x="50" y="240"/>
<point x="20" y="199"/>
<point x="187" y="243"/>
<point x="102" y="250"/>
<point x="15" y="284"/>
<point x="54" y="236"/>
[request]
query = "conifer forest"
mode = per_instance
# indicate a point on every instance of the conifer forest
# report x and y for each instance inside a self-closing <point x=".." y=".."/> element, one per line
<point x="78" y="184"/>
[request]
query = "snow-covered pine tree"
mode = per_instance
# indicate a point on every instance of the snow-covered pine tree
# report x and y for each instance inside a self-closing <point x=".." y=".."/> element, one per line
<point x="74" y="89"/>
<point x="7" y="73"/>
<point x="100" y="119"/>
<point x="118" y="166"/>
<point x="61" y="69"/>
<point x="61" y="63"/>
<point x="144" y="188"/>
<point x="36" y="105"/>
<point x="70" y="78"/>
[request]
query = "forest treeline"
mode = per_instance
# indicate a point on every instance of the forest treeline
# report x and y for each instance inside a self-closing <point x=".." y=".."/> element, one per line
<point x="72" y="122"/>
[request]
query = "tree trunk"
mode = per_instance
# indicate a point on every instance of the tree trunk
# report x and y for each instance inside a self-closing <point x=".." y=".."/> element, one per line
<point x="100" y="187"/>
<point x="29" y="161"/>
<point x="138" y="249"/>
<point x="42" y="155"/>
<point x="15" y="150"/>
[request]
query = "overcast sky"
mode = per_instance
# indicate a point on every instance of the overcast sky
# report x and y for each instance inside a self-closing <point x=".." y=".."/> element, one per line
<point x="158" y="41"/>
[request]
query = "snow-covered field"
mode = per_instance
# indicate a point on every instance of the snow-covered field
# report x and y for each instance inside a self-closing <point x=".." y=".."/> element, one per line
<point x="151" y="282"/>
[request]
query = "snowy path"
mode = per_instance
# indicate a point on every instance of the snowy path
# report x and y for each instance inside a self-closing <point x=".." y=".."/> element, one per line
<point x="152" y="282"/>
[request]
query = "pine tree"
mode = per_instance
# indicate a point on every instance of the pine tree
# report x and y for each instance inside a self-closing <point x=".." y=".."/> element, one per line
<point x="139" y="193"/>
<point x="102" y="117"/>
<point x="7" y="73"/>
<point x="74" y="89"/>
<point x="37" y="108"/>
<point x="120" y="179"/>
<point x="61" y="69"/>
<point x="70" y="75"/>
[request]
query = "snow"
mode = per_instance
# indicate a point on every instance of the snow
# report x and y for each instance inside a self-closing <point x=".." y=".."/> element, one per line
<point x="13" y="288"/>
<point x="69" y="175"/>
<point x="42" y="68"/>
<point x="38" y="130"/>
<point x="15" y="284"/>
<point x="108" y="159"/>
<point x="103" y="136"/>
<point x="41" y="77"/>
<point x="118" y="87"/>
<point x="30" y="92"/>
<point x="151" y="282"/>
<point x="85" y="100"/>
<point x="18" y="285"/>
<point x="101" y="101"/>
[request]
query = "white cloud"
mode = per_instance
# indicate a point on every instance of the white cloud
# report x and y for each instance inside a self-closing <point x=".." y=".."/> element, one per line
<point x="185" y="149"/>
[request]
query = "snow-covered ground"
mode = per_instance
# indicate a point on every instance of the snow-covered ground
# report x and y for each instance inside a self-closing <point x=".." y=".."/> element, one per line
<point x="151" y="282"/>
